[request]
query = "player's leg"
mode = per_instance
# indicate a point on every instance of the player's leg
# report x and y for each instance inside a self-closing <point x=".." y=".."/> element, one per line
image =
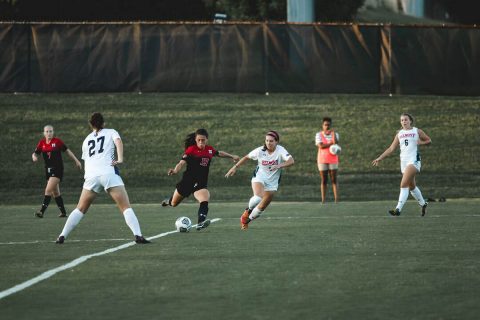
<point x="86" y="199"/>
<point x="323" y="184"/>
<point x="333" y="179"/>
<point x="59" y="201"/>
<point x="408" y="176"/>
<point x="202" y="196"/>
<point x="120" y="196"/>
<point x="50" y="188"/>
<point x="258" y="210"/>
<point x="258" y="192"/>
<point x="417" y="195"/>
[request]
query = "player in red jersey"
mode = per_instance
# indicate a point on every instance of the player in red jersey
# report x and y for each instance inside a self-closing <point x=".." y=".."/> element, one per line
<point x="51" y="149"/>
<point x="197" y="157"/>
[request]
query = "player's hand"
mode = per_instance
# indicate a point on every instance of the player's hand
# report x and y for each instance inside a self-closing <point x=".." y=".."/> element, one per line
<point x="78" y="164"/>
<point x="235" y="158"/>
<point x="34" y="157"/>
<point x="231" y="172"/>
<point x="171" y="172"/>
<point x="116" y="162"/>
<point x="375" y="162"/>
<point x="274" y="167"/>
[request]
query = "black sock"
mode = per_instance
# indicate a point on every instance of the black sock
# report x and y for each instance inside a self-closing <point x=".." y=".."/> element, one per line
<point x="46" y="202"/>
<point x="202" y="211"/>
<point x="59" y="201"/>
<point x="170" y="201"/>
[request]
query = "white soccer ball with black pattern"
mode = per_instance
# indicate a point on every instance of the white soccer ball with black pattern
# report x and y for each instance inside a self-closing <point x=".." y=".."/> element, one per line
<point x="335" y="149"/>
<point x="183" y="224"/>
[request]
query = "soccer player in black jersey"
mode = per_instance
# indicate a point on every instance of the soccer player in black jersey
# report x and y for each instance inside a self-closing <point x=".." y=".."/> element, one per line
<point x="197" y="156"/>
<point x="51" y="149"/>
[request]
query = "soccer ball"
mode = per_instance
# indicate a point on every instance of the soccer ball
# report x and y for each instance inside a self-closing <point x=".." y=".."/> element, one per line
<point x="335" y="149"/>
<point x="183" y="224"/>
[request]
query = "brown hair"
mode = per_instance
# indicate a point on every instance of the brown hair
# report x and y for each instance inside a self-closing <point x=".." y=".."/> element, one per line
<point x="96" y="120"/>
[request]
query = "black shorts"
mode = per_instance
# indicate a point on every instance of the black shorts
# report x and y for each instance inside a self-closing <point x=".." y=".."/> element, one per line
<point x="187" y="186"/>
<point x="54" y="172"/>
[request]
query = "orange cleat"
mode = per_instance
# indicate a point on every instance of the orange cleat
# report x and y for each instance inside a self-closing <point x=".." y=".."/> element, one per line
<point x="244" y="220"/>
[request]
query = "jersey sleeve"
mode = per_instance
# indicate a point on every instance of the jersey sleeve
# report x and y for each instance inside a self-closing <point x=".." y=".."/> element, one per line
<point x="285" y="155"/>
<point x="115" y="135"/>
<point x="63" y="147"/>
<point x="214" y="151"/>
<point x="188" y="153"/>
<point x="253" y="154"/>
<point x="38" y="149"/>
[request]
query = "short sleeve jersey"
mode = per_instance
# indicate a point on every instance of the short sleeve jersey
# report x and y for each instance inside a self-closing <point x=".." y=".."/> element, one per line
<point x="266" y="160"/>
<point x="408" y="140"/>
<point x="98" y="152"/>
<point x="198" y="162"/>
<point x="51" y="152"/>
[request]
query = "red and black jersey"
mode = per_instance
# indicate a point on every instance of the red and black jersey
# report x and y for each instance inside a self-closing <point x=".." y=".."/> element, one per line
<point x="51" y="152"/>
<point x="198" y="162"/>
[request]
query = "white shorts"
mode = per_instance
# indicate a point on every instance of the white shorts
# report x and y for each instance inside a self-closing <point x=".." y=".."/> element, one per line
<point x="268" y="184"/>
<point x="105" y="182"/>
<point x="416" y="164"/>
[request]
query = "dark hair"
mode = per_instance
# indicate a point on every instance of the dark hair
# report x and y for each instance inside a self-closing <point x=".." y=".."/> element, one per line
<point x="274" y="134"/>
<point x="96" y="120"/>
<point x="190" y="139"/>
<point x="409" y="116"/>
<point x="328" y="119"/>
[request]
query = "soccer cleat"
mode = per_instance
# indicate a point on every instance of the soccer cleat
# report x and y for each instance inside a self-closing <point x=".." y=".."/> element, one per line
<point x="244" y="219"/>
<point x="165" y="202"/>
<point x="141" y="240"/>
<point x="394" y="213"/>
<point x="39" y="214"/>
<point x="424" y="209"/>
<point x="60" y="240"/>
<point x="62" y="215"/>
<point x="203" y="225"/>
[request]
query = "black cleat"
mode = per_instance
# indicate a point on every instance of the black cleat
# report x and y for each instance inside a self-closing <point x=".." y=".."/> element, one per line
<point x="424" y="209"/>
<point x="39" y="214"/>
<point x="62" y="215"/>
<point x="141" y="240"/>
<point x="60" y="240"/>
<point x="394" y="213"/>
<point x="203" y="225"/>
<point x="166" y="202"/>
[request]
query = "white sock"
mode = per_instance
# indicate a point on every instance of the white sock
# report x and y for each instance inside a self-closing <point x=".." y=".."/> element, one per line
<point x="254" y="201"/>
<point x="417" y="194"/>
<point x="402" y="198"/>
<point x="255" y="213"/>
<point x="132" y="221"/>
<point x="72" y="221"/>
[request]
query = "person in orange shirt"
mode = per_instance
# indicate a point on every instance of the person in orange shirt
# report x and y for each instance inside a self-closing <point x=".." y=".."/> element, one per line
<point x="326" y="161"/>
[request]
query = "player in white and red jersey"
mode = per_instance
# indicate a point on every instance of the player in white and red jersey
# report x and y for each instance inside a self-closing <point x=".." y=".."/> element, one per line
<point x="101" y="173"/>
<point x="198" y="157"/>
<point x="408" y="138"/>
<point x="51" y="149"/>
<point x="327" y="163"/>
<point x="271" y="159"/>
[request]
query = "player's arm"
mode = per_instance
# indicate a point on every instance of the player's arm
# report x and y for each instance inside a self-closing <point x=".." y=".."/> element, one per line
<point x="36" y="153"/>
<point x="223" y="154"/>
<point x="119" y="146"/>
<point x="387" y="152"/>
<point x="177" y="168"/>
<point x="233" y="169"/>
<point x="72" y="156"/>
<point x="424" y="139"/>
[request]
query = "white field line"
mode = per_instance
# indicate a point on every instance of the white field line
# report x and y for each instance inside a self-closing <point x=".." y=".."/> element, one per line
<point x="74" y="263"/>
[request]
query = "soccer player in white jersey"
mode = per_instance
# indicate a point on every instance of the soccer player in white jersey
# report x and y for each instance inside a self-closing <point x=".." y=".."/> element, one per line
<point x="101" y="172"/>
<point x="408" y="138"/>
<point x="271" y="159"/>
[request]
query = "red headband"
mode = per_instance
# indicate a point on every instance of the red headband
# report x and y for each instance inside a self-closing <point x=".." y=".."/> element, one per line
<point x="274" y="135"/>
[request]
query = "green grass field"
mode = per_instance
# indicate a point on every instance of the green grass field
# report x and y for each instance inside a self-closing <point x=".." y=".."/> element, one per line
<point x="299" y="261"/>
<point x="153" y="127"/>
